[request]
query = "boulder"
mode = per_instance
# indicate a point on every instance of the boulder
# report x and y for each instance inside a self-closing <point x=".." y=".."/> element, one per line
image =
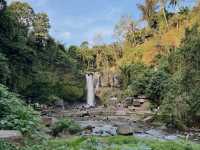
<point x="84" y="114"/>
<point x="142" y="97"/>
<point x="11" y="136"/>
<point x="128" y="101"/>
<point x="125" y="130"/>
<point x="136" y="103"/>
<point x="131" y="108"/>
<point x="148" y="119"/>
<point x="59" y="104"/>
<point x="89" y="127"/>
<point x="48" y="121"/>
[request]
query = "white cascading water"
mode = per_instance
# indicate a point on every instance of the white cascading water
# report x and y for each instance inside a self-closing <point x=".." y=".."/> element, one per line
<point x="90" y="90"/>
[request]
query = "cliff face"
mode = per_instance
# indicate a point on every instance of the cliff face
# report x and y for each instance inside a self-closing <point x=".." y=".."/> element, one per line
<point x="106" y="85"/>
<point x="109" y="80"/>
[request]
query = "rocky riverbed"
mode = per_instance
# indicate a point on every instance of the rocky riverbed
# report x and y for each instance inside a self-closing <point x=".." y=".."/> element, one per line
<point x="110" y="122"/>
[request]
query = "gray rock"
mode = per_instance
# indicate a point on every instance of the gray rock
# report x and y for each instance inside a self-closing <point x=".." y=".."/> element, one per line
<point x="125" y="130"/>
<point x="48" y="121"/>
<point x="11" y="135"/>
<point x="148" y="119"/>
<point x="136" y="103"/>
<point x="171" y="137"/>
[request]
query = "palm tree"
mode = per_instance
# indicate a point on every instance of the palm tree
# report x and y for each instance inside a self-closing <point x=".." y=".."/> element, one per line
<point x="162" y="6"/>
<point x="174" y="2"/>
<point x="148" y="10"/>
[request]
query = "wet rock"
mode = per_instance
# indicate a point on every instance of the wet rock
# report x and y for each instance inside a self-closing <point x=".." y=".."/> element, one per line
<point x="11" y="136"/>
<point x="138" y="130"/>
<point x="125" y="130"/>
<point x="155" y="133"/>
<point x="85" y="114"/>
<point x="89" y="127"/>
<point x="171" y="137"/>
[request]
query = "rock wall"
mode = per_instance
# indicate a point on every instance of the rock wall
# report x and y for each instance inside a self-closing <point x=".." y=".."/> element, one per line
<point x="106" y="85"/>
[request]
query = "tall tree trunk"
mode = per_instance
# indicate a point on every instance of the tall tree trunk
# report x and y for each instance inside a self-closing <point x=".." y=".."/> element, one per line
<point x="162" y="3"/>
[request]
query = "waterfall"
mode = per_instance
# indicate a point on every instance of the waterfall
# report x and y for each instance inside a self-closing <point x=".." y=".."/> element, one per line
<point x="90" y="90"/>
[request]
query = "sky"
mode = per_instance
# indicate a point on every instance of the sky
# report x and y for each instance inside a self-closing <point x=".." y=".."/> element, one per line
<point x="75" y="21"/>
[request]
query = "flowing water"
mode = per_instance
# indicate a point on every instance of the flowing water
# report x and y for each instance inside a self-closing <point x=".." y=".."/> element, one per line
<point x="90" y="90"/>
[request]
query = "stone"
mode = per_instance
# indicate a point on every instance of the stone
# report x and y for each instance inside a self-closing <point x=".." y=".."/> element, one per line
<point x="89" y="127"/>
<point x="124" y="130"/>
<point x="136" y="103"/>
<point x="85" y="114"/>
<point x="59" y="104"/>
<point x="141" y="101"/>
<point x="163" y="127"/>
<point x="142" y="97"/>
<point x="138" y="130"/>
<point x="48" y="121"/>
<point x="148" y="119"/>
<point x="131" y="108"/>
<point x="128" y="101"/>
<point x="11" y="136"/>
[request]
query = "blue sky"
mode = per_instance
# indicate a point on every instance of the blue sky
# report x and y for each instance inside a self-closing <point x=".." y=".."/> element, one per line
<point x="74" y="21"/>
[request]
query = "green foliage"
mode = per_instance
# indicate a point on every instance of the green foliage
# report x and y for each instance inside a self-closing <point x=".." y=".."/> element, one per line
<point x="41" y="27"/>
<point x="156" y="84"/>
<point x="14" y="115"/>
<point x="135" y="78"/>
<point x="7" y="146"/>
<point x="113" y="143"/>
<point x="31" y="62"/>
<point x="64" y="125"/>
<point x="181" y="94"/>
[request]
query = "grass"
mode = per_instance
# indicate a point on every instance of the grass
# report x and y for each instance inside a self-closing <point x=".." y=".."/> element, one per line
<point x="113" y="143"/>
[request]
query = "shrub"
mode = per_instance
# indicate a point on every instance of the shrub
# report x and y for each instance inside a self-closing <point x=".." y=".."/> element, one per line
<point x="15" y="115"/>
<point x="65" y="125"/>
<point x="6" y="146"/>
<point x="155" y="86"/>
<point x="135" y="78"/>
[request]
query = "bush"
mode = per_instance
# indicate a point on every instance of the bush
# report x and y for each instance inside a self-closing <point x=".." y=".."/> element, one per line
<point x="154" y="89"/>
<point x="15" y="115"/>
<point x="135" y="78"/>
<point x="65" y="125"/>
<point x="6" y="146"/>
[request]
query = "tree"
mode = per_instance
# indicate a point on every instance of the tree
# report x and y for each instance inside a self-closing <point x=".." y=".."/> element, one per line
<point x="23" y="13"/>
<point x="41" y="27"/>
<point x="148" y="11"/>
<point x="163" y="9"/>
<point x="2" y="5"/>
<point x="126" y="29"/>
<point x="174" y="2"/>
<point x="84" y="44"/>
